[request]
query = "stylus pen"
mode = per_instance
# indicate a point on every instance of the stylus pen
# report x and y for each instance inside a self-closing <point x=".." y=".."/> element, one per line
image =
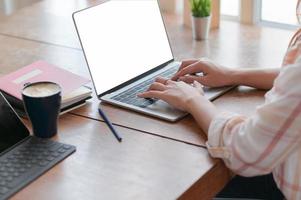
<point x="104" y="117"/>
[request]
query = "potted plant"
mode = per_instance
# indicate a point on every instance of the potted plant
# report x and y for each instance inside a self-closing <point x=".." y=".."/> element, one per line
<point x="201" y="18"/>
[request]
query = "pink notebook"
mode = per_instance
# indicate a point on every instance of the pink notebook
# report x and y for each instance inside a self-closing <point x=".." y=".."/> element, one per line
<point x="13" y="83"/>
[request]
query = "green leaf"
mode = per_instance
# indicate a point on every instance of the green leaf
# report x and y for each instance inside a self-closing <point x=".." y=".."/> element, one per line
<point x="200" y="8"/>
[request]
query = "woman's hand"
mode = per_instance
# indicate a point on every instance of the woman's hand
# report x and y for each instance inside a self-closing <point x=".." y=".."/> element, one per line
<point x="213" y="75"/>
<point x="177" y="94"/>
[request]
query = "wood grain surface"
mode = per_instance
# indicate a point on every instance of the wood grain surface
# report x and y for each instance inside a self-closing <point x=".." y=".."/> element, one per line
<point x="141" y="167"/>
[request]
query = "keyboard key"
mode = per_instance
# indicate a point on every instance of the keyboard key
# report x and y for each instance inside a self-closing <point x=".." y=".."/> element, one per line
<point x="33" y="161"/>
<point x="16" y="174"/>
<point x="39" y="157"/>
<point x="17" y="153"/>
<point x="22" y="162"/>
<point x="3" y="190"/>
<point x="55" y="154"/>
<point x="62" y="150"/>
<point x="4" y="174"/>
<point x="11" y="157"/>
<point x="2" y="183"/>
<point x="2" y="168"/>
<point x="67" y="147"/>
<point x="50" y="158"/>
<point x="43" y="163"/>
<point x="11" y="170"/>
<point x="15" y="161"/>
<point x="54" y="147"/>
<point x="21" y="169"/>
<point x="28" y="165"/>
<point x="9" y="178"/>
<point x="4" y="161"/>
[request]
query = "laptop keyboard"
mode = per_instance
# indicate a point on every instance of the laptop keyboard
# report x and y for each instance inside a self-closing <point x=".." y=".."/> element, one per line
<point x="27" y="161"/>
<point x="130" y="96"/>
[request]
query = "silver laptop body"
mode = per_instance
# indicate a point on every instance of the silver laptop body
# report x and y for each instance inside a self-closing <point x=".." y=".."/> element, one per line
<point x="126" y="47"/>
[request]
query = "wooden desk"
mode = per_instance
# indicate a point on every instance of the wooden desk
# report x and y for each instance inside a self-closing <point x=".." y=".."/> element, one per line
<point x="157" y="160"/>
<point x="141" y="167"/>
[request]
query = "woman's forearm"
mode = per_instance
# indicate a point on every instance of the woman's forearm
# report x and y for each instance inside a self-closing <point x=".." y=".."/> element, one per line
<point x="258" y="78"/>
<point x="204" y="111"/>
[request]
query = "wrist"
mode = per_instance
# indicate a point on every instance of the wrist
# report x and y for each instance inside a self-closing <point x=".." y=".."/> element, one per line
<point x="203" y="111"/>
<point x="235" y="76"/>
<point x="194" y="102"/>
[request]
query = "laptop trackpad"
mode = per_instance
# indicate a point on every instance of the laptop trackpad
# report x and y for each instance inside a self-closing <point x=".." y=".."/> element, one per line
<point x="165" y="108"/>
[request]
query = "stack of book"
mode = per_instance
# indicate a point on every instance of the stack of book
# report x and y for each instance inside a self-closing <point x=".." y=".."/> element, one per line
<point x="74" y="91"/>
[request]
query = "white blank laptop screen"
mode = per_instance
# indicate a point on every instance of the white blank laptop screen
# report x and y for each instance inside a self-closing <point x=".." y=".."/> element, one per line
<point x="122" y="39"/>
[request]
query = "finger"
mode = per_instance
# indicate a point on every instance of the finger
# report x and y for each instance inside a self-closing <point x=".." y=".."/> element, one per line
<point x="157" y="86"/>
<point x="151" y="94"/>
<point x="188" y="79"/>
<point x="186" y="63"/>
<point x="191" y="78"/>
<point x="161" y="80"/>
<point x="198" y="86"/>
<point x="191" y="69"/>
<point x="183" y="65"/>
<point x="170" y="82"/>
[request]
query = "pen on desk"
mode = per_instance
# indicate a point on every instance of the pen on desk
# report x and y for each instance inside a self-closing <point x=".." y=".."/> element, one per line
<point x="104" y="117"/>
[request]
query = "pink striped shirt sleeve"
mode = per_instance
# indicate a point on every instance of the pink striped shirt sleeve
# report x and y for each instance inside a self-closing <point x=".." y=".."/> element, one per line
<point x="268" y="141"/>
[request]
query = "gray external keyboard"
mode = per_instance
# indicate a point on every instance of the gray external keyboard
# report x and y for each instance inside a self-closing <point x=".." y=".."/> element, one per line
<point x="27" y="161"/>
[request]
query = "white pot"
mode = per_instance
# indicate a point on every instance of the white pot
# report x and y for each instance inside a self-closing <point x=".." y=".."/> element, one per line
<point x="200" y="27"/>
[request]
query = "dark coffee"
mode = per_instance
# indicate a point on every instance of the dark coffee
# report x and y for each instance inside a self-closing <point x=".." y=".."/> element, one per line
<point x="42" y="101"/>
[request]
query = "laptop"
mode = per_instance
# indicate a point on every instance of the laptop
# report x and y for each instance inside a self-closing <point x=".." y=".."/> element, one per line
<point x="126" y="47"/>
<point x="23" y="158"/>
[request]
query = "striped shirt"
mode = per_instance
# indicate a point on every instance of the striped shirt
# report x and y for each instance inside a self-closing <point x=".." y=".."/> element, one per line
<point x="270" y="140"/>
